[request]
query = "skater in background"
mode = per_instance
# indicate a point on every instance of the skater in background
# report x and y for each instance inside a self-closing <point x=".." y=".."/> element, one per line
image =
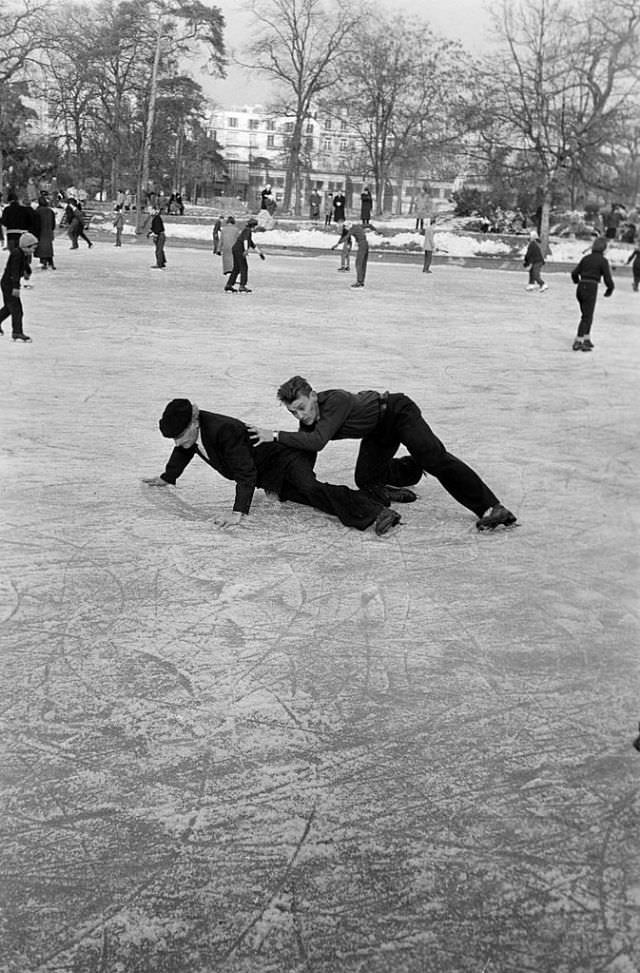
<point x="215" y="234"/>
<point x="10" y="285"/>
<point x="240" y="265"/>
<point x="383" y="421"/>
<point x="223" y="442"/>
<point x="357" y="232"/>
<point x="345" y="243"/>
<point x="587" y="275"/>
<point x="228" y="236"/>
<point x="46" y="219"/>
<point x="634" y="260"/>
<point x="534" y="260"/>
<point x="157" y="231"/>
<point x="429" y="245"/>
<point x="118" y="223"/>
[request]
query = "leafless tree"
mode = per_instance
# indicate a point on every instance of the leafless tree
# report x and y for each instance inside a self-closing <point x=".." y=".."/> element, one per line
<point x="399" y="90"/>
<point x="555" y="89"/>
<point x="301" y="45"/>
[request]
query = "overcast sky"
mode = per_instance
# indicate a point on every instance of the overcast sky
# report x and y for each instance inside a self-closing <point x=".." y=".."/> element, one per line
<point x="462" y="20"/>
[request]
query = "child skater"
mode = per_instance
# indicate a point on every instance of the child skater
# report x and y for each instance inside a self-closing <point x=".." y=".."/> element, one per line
<point x="587" y="276"/>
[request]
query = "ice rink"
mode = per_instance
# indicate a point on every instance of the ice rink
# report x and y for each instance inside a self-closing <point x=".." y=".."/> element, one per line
<point x="293" y="747"/>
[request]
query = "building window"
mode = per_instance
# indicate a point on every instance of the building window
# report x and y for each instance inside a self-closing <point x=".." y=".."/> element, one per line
<point x="343" y="145"/>
<point x="254" y="123"/>
<point x="271" y="126"/>
<point x="343" y="125"/>
<point x="271" y="141"/>
<point x="327" y="125"/>
<point x="326" y="145"/>
<point x="288" y="126"/>
<point x="233" y="123"/>
<point x="309" y="129"/>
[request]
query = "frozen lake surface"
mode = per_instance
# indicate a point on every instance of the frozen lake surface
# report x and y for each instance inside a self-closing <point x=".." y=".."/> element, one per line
<point x="293" y="746"/>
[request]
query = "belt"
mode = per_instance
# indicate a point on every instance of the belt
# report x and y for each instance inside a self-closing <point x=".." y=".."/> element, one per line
<point x="383" y="405"/>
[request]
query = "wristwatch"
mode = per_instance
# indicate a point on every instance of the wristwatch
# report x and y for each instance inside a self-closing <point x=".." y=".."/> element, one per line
<point x="275" y="435"/>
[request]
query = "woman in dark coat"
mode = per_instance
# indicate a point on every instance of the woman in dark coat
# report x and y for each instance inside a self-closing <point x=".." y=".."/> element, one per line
<point x="366" y="204"/>
<point x="46" y="227"/>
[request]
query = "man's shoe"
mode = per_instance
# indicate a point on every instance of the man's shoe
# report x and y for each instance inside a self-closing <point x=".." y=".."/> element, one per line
<point x="244" y="290"/>
<point x="587" y="345"/>
<point x="231" y="290"/>
<point x="386" y="520"/>
<point x="21" y="337"/>
<point x="577" y="345"/>
<point x="530" y="287"/>
<point x="357" y="285"/>
<point x="1" y="331"/>
<point x="400" y="494"/>
<point x="544" y="287"/>
<point x="498" y="516"/>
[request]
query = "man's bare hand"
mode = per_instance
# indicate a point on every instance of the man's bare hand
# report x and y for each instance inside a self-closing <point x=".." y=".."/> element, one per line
<point x="154" y="481"/>
<point x="229" y="520"/>
<point x="258" y="436"/>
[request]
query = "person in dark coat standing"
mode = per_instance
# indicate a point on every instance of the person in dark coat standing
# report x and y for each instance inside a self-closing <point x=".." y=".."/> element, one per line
<point x="46" y="232"/>
<point x="223" y="442"/>
<point x="159" y="237"/>
<point x="10" y="284"/>
<point x="634" y="260"/>
<point x="339" y="203"/>
<point x="366" y="205"/>
<point x="383" y="422"/>
<point x="534" y="260"/>
<point x="240" y="265"/>
<point x="587" y="275"/>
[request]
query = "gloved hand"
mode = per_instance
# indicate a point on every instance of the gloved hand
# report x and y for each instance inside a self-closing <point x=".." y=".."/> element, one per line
<point x="608" y="293"/>
<point x="262" y="256"/>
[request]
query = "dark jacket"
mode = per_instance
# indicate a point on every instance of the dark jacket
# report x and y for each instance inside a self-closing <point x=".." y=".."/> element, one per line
<point x="225" y="446"/>
<point x="244" y="236"/>
<point x="533" y="254"/>
<point x="18" y="219"/>
<point x="14" y="270"/>
<point x="157" y="225"/>
<point x="593" y="267"/>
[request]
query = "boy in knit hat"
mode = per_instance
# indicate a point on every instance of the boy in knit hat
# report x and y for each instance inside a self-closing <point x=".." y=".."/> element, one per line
<point x="534" y="260"/>
<point x="10" y="284"/>
<point x="587" y="275"/>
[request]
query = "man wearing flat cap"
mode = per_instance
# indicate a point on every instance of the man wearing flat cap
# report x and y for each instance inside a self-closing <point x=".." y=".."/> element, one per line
<point x="224" y="444"/>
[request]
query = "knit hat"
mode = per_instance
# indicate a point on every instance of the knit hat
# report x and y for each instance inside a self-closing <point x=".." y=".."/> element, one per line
<point x="599" y="245"/>
<point x="175" y="418"/>
<point x="347" y="224"/>
<point x="27" y="240"/>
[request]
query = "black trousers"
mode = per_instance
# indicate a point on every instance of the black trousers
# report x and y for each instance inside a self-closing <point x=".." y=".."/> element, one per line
<point x="403" y="424"/>
<point x="586" y="294"/>
<point x="12" y="308"/>
<point x="362" y="256"/>
<point x="352" y="508"/>
<point x="240" y="269"/>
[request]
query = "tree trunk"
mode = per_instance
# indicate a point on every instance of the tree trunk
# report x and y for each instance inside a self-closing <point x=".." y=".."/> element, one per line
<point x="143" y="173"/>
<point x="544" y="220"/>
